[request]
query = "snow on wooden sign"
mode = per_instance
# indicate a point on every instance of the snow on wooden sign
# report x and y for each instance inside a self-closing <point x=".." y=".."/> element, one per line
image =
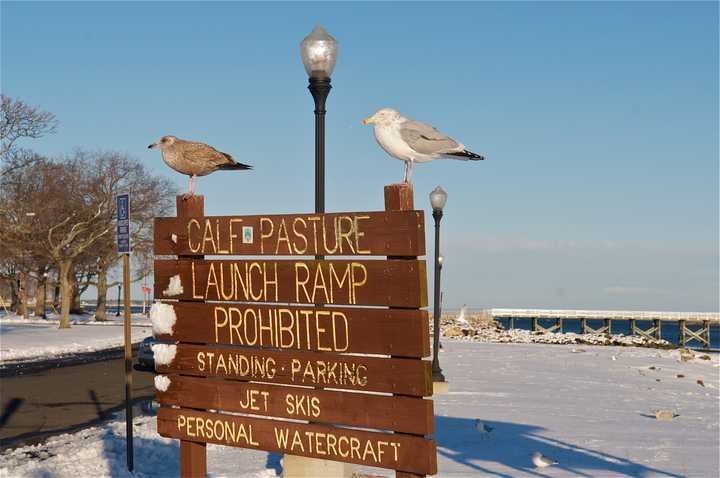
<point x="276" y="340"/>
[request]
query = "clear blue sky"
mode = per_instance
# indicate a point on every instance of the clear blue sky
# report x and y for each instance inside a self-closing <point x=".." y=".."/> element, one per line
<point x="599" y="122"/>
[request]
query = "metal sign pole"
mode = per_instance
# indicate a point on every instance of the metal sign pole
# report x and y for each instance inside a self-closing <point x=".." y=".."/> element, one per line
<point x="123" y="237"/>
<point x="128" y="363"/>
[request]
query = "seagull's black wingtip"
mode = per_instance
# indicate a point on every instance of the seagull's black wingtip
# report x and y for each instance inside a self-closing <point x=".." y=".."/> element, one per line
<point x="468" y="155"/>
<point x="236" y="167"/>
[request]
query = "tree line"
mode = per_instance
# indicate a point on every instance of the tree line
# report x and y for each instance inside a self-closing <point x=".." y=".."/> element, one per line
<point x="58" y="216"/>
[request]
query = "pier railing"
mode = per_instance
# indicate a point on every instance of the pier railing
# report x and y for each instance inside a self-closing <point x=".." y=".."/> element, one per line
<point x="692" y="325"/>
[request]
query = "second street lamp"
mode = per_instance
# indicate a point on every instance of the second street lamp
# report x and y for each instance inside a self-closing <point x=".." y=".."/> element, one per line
<point x="319" y="52"/>
<point x="437" y="200"/>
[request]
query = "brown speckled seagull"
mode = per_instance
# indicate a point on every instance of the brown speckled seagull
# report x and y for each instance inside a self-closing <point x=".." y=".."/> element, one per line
<point x="194" y="159"/>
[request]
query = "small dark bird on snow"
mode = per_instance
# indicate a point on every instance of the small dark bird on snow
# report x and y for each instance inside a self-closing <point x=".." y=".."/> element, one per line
<point x="194" y="159"/>
<point x="483" y="428"/>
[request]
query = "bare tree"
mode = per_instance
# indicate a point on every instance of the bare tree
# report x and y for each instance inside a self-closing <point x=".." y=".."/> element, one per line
<point x="115" y="173"/>
<point x="19" y="120"/>
<point x="66" y="218"/>
<point x="59" y="215"/>
<point x="19" y="233"/>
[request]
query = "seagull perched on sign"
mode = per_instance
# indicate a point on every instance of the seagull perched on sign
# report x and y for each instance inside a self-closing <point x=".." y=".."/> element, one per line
<point x="194" y="159"/>
<point x="414" y="142"/>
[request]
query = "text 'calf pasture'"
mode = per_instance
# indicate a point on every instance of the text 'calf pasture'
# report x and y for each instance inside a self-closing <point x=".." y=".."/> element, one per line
<point x="385" y="233"/>
<point x="288" y="355"/>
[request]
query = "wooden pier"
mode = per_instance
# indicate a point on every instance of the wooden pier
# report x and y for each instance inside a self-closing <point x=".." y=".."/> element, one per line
<point x="693" y="325"/>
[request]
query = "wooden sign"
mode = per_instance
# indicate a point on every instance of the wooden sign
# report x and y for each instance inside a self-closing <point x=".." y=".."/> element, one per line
<point x="400" y="283"/>
<point x="322" y="370"/>
<point x="297" y="349"/>
<point x="384" y="233"/>
<point x="400" y="414"/>
<point x="324" y="329"/>
<point x="396" y="451"/>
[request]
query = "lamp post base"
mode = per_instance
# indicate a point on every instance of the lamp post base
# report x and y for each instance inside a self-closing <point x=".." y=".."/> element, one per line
<point x="440" y="387"/>
<point x="305" y="467"/>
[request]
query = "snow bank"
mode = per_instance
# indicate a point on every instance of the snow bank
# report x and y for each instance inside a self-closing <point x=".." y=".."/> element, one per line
<point x="164" y="353"/>
<point x="99" y="452"/>
<point x="174" y="287"/>
<point x="163" y="318"/>
<point x="162" y="382"/>
<point x="34" y="340"/>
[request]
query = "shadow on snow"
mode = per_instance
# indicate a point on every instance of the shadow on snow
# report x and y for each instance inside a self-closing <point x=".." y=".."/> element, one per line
<point x="512" y="444"/>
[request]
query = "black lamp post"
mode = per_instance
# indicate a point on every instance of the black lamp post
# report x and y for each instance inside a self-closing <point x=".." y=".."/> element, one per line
<point x="441" y="260"/>
<point x="319" y="52"/>
<point x="437" y="200"/>
<point x="117" y="312"/>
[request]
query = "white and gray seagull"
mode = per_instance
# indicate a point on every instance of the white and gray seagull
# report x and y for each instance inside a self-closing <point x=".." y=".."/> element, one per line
<point x="541" y="461"/>
<point x="194" y="158"/>
<point x="461" y="318"/>
<point x="414" y="142"/>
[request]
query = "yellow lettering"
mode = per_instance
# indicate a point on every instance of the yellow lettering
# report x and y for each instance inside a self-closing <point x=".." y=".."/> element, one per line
<point x="263" y="234"/>
<point x="220" y="325"/>
<point x="298" y="234"/>
<point x="193" y="222"/>
<point x="301" y="283"/>
<point x="359" y="234"/>
<point x="232" y="234"/>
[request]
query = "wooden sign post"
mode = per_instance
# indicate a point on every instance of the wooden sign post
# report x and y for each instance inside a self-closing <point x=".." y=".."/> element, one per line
<point x="258" y="364"/>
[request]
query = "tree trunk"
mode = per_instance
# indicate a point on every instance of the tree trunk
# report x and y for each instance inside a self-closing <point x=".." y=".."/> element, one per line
<point x="40" y="294"/>
<point x="26" y="299"/>
<point x="76" y="307"/>
<point x="56" y="295"/>
<point x="100" y="311"/>
<point x="66" y="292"/>
<point x="14" y="296"/>
<point x="21" y="308"/>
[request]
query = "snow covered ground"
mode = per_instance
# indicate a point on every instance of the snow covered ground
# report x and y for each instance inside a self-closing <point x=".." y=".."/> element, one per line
<point x="590" y="408"/>
<point x="39" y="339"/>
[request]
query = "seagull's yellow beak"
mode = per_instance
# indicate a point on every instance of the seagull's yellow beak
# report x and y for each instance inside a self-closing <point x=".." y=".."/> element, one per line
<point x="367" y="120"/>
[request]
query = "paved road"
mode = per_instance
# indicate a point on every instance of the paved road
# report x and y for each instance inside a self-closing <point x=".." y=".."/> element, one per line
<point x="58" y="400"/>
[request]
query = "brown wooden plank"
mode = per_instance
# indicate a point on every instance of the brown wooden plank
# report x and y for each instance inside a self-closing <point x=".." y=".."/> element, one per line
<point x="394" y="451"/>
<point x="401" y="414"/>
<point x="321" y="370"/>
<point x="193" y="459"/>
<point x="400" y="197"/>
<point x="193" y="456"/>
<point x="399" y="332"/>
<point x="399" y="283"/>
<point x="378" y="233"/>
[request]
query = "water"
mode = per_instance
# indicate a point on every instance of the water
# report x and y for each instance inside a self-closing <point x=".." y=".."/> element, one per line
<point x="669" y="331"/>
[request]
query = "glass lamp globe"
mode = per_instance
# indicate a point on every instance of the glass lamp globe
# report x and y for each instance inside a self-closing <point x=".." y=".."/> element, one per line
<point x="319" y="52"/>
<point x="438" y="198"/>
